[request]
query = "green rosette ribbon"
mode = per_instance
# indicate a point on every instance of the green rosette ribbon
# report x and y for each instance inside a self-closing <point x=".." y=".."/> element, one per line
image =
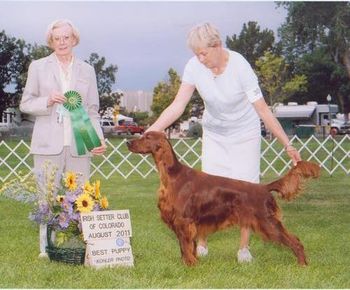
<point x="84" y="133"/>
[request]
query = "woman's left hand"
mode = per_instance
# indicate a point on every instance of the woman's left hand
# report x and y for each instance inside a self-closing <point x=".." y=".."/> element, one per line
<point x="101" y="149"/>
<point x="293" y="154"/>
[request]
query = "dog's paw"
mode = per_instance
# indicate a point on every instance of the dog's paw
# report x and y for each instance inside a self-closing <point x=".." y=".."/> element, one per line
<point x="244" y="256"/>
<point x="190" y="261"/>
<point x="202" y="251"/>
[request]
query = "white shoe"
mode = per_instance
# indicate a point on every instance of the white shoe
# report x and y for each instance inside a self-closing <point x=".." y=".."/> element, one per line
<point x="244" y="256"/>
<point x="202" y="251"/>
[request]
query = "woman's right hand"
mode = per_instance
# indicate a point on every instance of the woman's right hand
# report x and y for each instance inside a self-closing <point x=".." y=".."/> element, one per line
<point x="56" y="97"/>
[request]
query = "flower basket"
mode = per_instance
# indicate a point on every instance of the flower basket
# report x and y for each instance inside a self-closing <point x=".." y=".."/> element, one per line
<point x="74" y="256"/>
<point x="59" y="207"/>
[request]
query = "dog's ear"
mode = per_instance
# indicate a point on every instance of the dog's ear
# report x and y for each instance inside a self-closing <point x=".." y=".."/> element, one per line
<point x="157" y="141"/>
<point x="174" y="169"/>
<point x="156" y="147"/>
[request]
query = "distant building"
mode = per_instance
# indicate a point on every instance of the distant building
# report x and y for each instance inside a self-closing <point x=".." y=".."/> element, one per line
<point x="136" y="101"/>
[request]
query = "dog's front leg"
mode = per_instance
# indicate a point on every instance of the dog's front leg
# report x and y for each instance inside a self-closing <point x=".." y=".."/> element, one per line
<point x="186" y="232"/>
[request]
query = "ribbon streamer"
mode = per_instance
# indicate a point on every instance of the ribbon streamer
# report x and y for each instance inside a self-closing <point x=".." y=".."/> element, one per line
<point x="84" y="133"/>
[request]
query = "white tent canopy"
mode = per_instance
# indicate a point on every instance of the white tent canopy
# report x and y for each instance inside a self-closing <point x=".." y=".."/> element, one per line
<point x="295" y="112"/>
<point x="122" y="117"/>
<point x="108" y="115"/>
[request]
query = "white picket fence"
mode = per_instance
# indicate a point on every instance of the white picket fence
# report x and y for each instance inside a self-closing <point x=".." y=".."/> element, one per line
<point x="333" y="155"/>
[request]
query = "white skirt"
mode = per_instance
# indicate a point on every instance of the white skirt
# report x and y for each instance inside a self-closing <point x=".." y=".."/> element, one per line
<point x="237" y="158"/>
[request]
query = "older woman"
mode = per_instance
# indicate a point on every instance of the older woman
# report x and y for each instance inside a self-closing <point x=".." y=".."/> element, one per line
<point x="231" y="125"/>
<point x="48" y="80"/>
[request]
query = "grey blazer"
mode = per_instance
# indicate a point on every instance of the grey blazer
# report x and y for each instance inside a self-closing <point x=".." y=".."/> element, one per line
<point x="43" y="78"/>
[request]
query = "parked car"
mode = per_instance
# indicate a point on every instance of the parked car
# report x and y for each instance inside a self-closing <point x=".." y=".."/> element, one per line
<point x="107" y="126"/>
<point x="339" y="126"/>
<point x="128" y="127"/>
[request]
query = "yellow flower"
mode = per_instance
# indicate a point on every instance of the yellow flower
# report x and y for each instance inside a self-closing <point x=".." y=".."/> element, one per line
<point x="97" y="189"/>
<point x="71" y="181"/>
<point x="60" y="198"/>
<point x="88" y="188"/>
<point x="104" y="202"/>
<point x="84" y="203"/>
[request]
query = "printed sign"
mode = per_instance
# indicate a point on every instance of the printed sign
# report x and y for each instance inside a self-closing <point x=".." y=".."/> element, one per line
<point x="109" y="252"/>
<point x="107" y="234"/>
<point x="111" y="224"/>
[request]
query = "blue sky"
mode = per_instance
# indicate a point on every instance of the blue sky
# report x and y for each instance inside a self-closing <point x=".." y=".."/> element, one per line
<point x="144" y="39"/>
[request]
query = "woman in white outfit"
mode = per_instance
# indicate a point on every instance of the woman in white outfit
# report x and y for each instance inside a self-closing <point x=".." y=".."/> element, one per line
<point x="234" y="105"/>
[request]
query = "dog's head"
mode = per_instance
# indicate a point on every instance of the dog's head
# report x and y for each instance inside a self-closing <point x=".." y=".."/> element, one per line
<point x="150" y="142"/>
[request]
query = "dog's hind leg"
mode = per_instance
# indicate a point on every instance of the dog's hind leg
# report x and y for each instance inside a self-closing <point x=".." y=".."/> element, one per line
<point x="186" y="233"/>
<point x="272" y="229"/>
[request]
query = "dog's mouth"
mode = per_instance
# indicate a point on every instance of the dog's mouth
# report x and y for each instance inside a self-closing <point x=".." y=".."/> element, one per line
<point x="132" y="146"/>
<point x="136" y="147"/>
<point x="129" y="144"/>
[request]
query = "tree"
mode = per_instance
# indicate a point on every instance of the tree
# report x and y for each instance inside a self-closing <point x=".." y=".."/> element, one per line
<point x="324" y="77"/>
<point x="197" y="105"/>
<point x="13" y="62"/>
<point x="251" y="42"/>
<point x="33" y="52"/>
<point x="109" y="100"/>
<point x="165" y="92"/>
<point x="311" y="26"/>
<point x="105" y="75"/>
<point x="140" y="118"/>
<point x="275" y="79"/>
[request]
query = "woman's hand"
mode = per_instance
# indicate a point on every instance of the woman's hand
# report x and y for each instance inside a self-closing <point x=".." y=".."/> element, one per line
<point x="56" y="97"/>
<point x="293" y="154"/>
<point x="101" y="149"/>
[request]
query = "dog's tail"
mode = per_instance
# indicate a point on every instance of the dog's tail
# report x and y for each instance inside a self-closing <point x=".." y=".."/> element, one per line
<point x="289" y="186"/>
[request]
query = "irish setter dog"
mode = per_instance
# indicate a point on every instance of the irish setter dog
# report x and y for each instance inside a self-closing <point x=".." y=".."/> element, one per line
<point x="195" y="204"/>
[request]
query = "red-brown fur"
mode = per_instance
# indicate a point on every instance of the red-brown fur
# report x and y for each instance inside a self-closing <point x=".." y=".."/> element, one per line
<point x="195" y="204"/>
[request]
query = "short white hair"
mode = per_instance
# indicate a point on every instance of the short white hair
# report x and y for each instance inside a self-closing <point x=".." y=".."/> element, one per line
<point x="203" y="35"/>
<point x="59" y="23"/>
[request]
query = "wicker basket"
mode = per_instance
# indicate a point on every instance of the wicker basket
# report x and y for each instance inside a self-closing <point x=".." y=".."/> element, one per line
<point x="66" y="255"/>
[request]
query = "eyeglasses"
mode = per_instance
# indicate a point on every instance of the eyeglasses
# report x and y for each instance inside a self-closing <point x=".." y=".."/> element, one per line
<point x="63" y="38"/>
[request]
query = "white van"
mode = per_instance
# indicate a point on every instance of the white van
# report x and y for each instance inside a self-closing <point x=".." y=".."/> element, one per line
<point x="107" y="126"/>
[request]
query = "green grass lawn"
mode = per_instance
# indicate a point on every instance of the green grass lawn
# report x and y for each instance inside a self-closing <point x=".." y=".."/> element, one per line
<point x="320" y="218"/>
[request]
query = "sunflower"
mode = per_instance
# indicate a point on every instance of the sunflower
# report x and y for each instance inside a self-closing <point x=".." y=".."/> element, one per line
<point x="104" y="202"/>
<point x="88" y="188"/>
<point x="84" y="203"/>
<point x="60" y="198"/>
<point x="71" y="181"/>
<point x="97" y="185"/>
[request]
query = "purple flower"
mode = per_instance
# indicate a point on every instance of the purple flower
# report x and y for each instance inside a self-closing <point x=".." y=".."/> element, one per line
<point x="67" y="206"/>
<point x="63" y="220"/>
<point x="42" y="214"/>
<point x="70" y="197"/>
<point x="96" y="207"/>
<point x="76" y="216"/>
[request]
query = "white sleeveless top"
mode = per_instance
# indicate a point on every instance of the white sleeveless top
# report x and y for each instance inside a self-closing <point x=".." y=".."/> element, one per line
<point x="228" y="97"/>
